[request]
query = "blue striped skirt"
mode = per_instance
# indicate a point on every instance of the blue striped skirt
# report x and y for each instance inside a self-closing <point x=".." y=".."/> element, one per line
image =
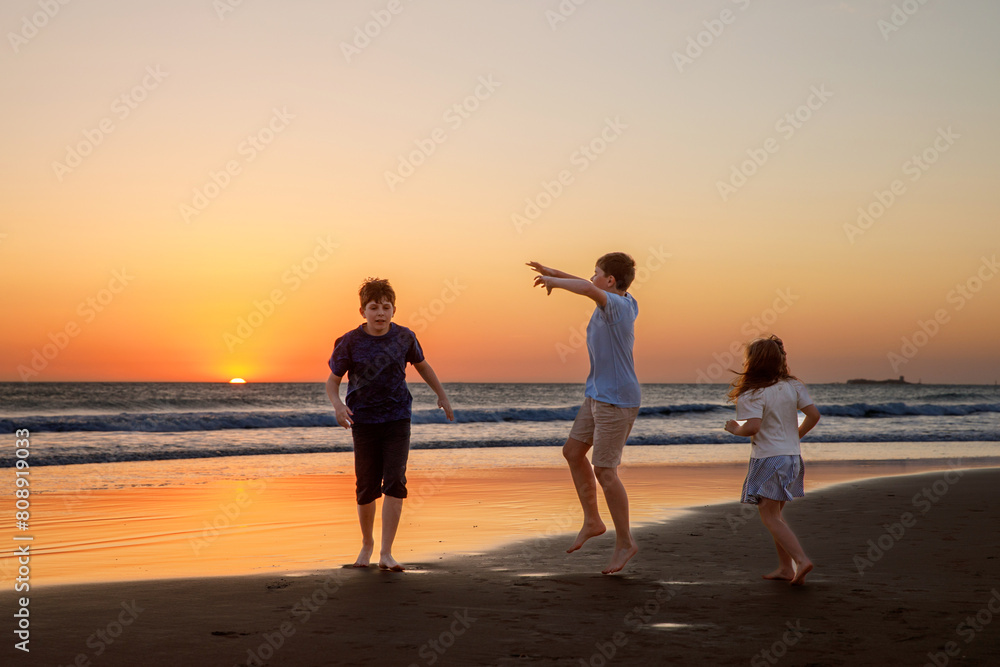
<point x="775" y="477"/>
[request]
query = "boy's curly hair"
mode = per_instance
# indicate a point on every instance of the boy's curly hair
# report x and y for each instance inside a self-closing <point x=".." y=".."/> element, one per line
<point x="377" y="290"/>
<point x="620" y="265"/>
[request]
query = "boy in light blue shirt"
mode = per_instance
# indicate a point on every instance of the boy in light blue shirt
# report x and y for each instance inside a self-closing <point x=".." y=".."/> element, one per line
<point x="612" y="397"/>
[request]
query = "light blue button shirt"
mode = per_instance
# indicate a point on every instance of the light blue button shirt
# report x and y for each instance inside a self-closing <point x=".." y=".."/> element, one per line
<point x="610" y="337"/>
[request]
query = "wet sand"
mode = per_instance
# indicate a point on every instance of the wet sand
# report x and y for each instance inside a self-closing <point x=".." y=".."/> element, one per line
<point x="249" y="524"/>
<point x="901" y="562"/>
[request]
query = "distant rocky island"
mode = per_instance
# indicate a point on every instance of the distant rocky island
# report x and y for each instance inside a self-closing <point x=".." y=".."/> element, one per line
<point x="901" y="380"/>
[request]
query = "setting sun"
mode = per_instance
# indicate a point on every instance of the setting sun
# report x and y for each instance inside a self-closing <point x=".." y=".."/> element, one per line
<point x="237" y="381"/>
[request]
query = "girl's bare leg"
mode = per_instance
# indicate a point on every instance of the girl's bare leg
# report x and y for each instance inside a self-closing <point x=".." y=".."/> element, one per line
<point x="786" y="568"/>
<point x="784" y="538"/>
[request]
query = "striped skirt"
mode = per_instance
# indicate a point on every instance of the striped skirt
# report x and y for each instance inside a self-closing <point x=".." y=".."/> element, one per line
<point x="775" y="477"/>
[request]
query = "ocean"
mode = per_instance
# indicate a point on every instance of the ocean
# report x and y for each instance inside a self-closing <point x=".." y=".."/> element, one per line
<point x="105" y="422"/>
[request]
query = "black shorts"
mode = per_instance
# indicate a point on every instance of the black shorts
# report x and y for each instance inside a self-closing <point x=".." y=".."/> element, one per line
<point x="380" y="453"/>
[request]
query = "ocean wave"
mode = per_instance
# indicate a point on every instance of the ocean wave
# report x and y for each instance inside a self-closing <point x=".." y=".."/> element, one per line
<point x="905" y="410"/>
<point x="174" y="422"/>
<point x="74" y="455"/>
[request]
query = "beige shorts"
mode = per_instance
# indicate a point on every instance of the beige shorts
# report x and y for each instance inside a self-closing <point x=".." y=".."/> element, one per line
<point x="606" y="427"/>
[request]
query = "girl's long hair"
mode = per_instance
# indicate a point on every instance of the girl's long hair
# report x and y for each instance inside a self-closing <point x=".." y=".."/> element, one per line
<point x="765" y="365"/>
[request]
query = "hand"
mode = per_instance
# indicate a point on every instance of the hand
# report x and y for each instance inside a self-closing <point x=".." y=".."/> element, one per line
<point x="544" y="270"/>
<point x="344" y="414"/>
<point x="732" y="426"/>
<point x="445" y="405"/>
<point x="545" y="282"/>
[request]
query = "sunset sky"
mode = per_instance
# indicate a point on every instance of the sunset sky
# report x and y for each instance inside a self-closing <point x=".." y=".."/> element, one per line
<point x="194" y="190"/>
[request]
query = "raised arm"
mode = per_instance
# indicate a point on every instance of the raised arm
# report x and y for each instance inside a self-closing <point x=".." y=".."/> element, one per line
<point x="431" y="378"/>
<point x="552" y="273"/>
<point x="812" y="418"/>
<point x="576" y="286"/>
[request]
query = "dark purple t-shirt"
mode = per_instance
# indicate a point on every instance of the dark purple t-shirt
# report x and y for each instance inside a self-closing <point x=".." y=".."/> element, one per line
<point x="376" y="372"/>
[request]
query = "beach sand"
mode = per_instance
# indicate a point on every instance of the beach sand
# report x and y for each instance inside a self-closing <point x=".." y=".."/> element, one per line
<point x="152" y="522"/>
<point x="693" y="595"/>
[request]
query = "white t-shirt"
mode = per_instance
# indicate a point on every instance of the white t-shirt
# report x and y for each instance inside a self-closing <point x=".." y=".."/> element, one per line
<point x="778" y="408"/>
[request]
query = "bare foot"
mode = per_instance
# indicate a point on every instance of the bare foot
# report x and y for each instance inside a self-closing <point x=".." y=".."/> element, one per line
<point x="621" y="556"/>
<point x="365" y="556"/>
<point x="801" y="572"/>
<point x="387" y="562"/>
<point x="588" y="531"/>
<point x="781" y="574"/>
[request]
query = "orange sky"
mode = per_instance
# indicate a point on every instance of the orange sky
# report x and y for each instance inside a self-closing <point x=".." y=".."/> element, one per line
<point x="170" y="172"/>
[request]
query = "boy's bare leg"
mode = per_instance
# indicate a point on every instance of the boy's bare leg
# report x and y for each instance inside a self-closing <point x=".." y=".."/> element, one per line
<point x="575" y="453"/>
<point x="770" y="515"/>
<point x="614" y="493"/>
<point x="392" y="508"/>
<point x="786" y="568"/>
<point x="366" y="517"/>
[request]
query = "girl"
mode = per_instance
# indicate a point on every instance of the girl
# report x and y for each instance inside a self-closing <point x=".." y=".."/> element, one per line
<point x="768" y="398"/>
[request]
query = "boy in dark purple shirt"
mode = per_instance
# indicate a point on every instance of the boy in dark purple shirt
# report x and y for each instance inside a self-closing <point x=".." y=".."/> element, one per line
<point x="378" y="411"/>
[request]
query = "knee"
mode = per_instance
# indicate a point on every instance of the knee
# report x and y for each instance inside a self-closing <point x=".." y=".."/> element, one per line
<point x="768" y="516"/>
<point x="395" y="486"/>
<point x="572" y="452"/>
<point x="606" y="476"/>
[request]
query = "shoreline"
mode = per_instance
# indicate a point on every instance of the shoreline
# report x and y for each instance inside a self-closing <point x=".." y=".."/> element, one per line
<point x="227" y="523"/>
<point x="692" y="596"/>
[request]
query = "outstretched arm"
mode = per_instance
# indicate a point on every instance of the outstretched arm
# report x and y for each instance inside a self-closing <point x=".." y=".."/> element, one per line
<point x="552" y="273"/>
<point x="431" y="378"/>
<point x="812" y="418"/>
<point x="574" y="285"/>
